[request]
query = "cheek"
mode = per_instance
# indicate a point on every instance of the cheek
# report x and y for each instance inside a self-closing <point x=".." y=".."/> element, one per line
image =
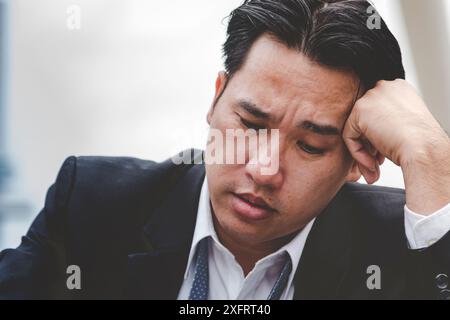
<point x="317" y="179"/>
<point x="221" y="179"/>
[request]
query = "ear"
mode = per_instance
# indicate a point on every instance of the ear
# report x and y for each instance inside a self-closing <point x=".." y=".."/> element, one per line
<point x="354" y="174"/>
<point x="221" y="82"/>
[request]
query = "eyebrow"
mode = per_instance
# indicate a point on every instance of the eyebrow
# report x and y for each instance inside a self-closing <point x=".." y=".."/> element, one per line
<point x="254" y="110"/>
<point x="325" y="130"/>
<point x="321" y="129"/>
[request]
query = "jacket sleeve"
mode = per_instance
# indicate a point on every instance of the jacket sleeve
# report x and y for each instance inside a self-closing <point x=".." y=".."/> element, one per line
<point x="431" y="270"/>
<point x="36" y="269"/>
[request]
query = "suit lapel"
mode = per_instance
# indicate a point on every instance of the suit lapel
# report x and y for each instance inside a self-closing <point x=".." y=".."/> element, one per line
<point x="158" y="272"/>
<point x="326" y="256"/>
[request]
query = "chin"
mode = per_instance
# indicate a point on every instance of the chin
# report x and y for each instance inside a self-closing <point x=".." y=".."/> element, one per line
<point x="244" y="231"/>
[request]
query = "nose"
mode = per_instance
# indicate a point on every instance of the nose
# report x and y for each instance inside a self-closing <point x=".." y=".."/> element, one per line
<point x="263" y="166"/>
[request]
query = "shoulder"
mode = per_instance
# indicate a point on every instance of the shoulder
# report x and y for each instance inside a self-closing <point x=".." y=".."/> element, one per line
<point x="372" y="192"/>
<point x="375" y="212"/>
<point x="114" y="190"/>
<point x="375" y="197"/>
<point x="101" y="204"/>
<point x="374" y="203"/>
<point x="92" y="178"/>
<point x="98" y="177"/>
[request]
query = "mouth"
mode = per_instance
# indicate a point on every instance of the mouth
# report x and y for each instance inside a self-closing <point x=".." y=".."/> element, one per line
<point x="251" y="207"/>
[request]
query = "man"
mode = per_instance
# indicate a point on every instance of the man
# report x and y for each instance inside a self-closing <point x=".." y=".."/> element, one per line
<point x="331" y="88"/>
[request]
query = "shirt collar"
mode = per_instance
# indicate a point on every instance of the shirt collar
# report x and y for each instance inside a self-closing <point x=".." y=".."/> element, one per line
<point x="204" y="227"/>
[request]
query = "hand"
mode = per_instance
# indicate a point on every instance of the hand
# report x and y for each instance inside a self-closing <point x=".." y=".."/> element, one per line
<point x="392" y="121"/>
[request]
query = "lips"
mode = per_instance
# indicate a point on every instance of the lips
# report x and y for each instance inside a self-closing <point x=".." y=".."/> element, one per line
<point x="254" y="200"/>
<point x="251" y="207"/>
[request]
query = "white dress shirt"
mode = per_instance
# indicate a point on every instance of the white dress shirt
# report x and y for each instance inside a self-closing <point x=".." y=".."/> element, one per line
<point x="424" y="231"/>
<point x="226" y="277"/>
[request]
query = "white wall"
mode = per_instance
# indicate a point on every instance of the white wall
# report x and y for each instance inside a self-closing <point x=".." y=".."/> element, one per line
<point x="136" y="80"/>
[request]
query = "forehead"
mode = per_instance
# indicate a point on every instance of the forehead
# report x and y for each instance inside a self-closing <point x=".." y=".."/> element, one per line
<point x="277" y="78"/>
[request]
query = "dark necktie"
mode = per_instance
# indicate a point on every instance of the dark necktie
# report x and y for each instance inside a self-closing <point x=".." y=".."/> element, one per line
<point x="200" y="286"/>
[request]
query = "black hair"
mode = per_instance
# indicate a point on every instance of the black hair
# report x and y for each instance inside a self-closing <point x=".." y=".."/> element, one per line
<point x="332" y="33"/>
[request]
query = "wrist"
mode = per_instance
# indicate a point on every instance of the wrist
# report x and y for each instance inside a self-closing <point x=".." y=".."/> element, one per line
<point x="431" y="152"/>
<point x="426" y="172"/>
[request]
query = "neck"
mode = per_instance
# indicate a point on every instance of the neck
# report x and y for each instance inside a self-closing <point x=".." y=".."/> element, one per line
<point x="248" y="254"/>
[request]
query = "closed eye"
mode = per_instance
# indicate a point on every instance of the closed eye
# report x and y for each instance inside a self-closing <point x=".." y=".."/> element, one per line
<point x="309" y="149"/>
<point x="251" y="125"/>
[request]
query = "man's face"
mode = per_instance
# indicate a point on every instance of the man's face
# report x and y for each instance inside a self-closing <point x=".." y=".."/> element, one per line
<point x="292" y="94"/>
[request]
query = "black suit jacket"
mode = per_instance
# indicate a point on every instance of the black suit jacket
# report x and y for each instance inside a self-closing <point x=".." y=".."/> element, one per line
<point x="128" y="224"/>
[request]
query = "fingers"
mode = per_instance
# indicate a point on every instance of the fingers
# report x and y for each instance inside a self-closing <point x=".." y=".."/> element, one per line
<point x="369" y="161"/>
<point x="369" y="175"/>
<point x="360" y="153"/>
<point x="362" y="150"/>
<point x="380" y="158"/>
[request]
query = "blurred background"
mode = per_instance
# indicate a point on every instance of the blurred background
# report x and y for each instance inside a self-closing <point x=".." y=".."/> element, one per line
<point x="136" y="78"/>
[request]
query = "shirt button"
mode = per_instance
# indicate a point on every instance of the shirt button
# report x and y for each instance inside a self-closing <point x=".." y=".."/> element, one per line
<point x="442" y="281"/>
